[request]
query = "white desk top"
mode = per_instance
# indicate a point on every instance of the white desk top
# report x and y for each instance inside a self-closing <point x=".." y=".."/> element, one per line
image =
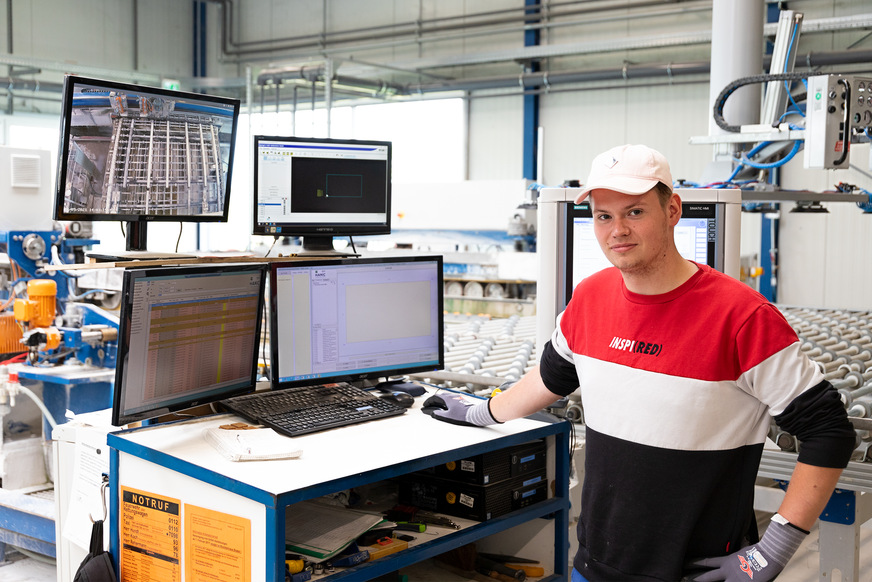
<point x="327" y="455"/>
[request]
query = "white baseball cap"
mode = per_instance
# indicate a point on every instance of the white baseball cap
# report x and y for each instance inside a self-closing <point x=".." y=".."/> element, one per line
<point x="629" y="169"/>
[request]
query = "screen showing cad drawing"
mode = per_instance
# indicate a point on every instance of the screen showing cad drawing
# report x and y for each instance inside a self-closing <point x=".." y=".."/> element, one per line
<point x="311" y="183"/>
<point x="349" y="319"/>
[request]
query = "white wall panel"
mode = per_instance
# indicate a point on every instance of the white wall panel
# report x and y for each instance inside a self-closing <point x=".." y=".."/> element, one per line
<point x="495" y="138"/>
<point x="824" y="258"/>
<point x="579" y="125"/>
<point x="100" y="33"/>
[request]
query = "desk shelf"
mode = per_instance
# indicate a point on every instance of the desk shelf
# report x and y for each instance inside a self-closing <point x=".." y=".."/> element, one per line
<point x="173" y="460"/>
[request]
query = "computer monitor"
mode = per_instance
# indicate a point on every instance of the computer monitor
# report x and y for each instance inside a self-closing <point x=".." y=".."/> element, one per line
<point x="698" y="236"/>
<point x="187" y="336"/>
<point x="141" y="154"/>
<point x="355" y="320"/>
<point x="321" y="188"/>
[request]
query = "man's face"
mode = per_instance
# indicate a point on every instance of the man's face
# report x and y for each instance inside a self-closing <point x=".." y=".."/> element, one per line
<point x="634" y="232"/>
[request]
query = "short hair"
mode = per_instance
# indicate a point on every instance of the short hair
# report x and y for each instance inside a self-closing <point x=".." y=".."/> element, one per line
<point x="664" y="192"/>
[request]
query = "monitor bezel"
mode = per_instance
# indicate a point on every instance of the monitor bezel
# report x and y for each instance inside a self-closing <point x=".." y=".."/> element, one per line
<point x="324" y="229"/>
<point x="689" y="209"/>
<point x="70" y="82"/>
<point x="130" y="276"/>
<point x="357" y="378"/>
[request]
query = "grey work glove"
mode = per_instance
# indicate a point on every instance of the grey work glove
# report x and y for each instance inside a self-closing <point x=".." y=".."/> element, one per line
<point x="760" y="562"/>
<point x="456" y="409"/>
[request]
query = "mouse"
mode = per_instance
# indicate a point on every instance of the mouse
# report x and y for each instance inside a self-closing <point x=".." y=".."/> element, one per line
<point x="399" y="398"/>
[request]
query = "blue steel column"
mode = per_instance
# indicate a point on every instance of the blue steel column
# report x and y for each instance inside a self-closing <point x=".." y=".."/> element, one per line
<point x="199" y="65"/>
<point x="531" y="102"/>
<point x="769" y="226"/>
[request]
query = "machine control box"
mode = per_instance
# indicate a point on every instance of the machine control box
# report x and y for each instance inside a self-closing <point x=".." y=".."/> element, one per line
<point x="839" y="108"/>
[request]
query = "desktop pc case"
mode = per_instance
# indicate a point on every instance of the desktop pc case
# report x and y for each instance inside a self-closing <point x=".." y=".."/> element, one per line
<point x="483" y="486"/>
<point x="494" y="466"/>
<point x="471" y="501"/>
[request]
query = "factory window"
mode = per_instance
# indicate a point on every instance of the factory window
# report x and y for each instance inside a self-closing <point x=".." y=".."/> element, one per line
<point x="428" y="135"/>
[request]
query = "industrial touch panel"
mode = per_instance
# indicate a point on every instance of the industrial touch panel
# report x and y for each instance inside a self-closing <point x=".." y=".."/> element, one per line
<point x="698" y="237"/>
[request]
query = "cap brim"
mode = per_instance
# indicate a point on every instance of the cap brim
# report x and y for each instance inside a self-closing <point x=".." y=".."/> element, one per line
<point x="622" y="184"/>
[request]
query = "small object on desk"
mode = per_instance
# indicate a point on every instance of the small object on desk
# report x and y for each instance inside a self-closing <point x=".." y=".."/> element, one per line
<point x="487" y="566"/>
<point x="295" y="566"/>
<point x="528" y="569"/>
<point x="405" y="538"/>
<point x="376" y="552"/>
<point x="299" y="576"/>
<point x="237" y="426"/>
<point x="433" y="519"/>
<point x="411" y="388"/>
<point x="262" y="444"/>
<point x="399" y="398"/>
<point x="370" y="537"/>
<point x="411" y="526"/>
<point x="351" y="559"/>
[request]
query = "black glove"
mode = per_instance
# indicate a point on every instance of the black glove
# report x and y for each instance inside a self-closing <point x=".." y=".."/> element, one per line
<point x="760" y="562"/>
<point x="456" y="409"/>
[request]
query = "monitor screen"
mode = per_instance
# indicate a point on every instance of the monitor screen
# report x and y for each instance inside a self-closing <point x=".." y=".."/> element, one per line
<point x="321" y="187"/>
<point x="696" y="237"/>
<point x="135" y="153"/>
<point x="187" y="336"/>
<point x="355" y="320"/>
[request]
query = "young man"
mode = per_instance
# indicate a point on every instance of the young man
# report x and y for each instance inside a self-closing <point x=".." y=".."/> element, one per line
<point x="681" y="369"/>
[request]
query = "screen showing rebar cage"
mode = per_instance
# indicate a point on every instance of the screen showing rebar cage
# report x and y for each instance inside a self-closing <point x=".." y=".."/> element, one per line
<point x="133" y="153"/>
<point x="164" y="167"/>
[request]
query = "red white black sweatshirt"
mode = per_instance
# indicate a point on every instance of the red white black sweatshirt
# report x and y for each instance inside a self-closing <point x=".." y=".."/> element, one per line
<point x="678" y="392"/>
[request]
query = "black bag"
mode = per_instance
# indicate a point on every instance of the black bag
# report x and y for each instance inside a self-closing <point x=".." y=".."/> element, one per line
<point x="97" y="565"/>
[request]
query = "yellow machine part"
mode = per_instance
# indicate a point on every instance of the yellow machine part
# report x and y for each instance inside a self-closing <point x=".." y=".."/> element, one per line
<point x="10" y="334"/>
<point x="38" y="310"/>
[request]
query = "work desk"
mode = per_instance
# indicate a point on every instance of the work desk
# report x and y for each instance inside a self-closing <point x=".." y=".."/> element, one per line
<point x="174" y="462"/>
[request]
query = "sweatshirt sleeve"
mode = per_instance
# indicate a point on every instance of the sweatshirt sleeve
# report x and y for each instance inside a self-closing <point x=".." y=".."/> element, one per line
<point x="819" y="420"/>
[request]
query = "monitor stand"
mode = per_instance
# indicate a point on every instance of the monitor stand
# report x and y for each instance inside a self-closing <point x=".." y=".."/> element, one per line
<point x="135" y="244"/>
<point x="322" y="246"/>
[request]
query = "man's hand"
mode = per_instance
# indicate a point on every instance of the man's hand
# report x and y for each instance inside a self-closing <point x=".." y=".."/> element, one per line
<point x="454" y="408"/>
<point x="760" y="562"/>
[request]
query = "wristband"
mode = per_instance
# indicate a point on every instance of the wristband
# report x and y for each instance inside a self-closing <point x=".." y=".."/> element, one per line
<point x="778" y="518"/>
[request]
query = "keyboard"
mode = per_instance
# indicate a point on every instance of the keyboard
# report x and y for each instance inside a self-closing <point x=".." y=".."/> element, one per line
<point x="297" y="411"/>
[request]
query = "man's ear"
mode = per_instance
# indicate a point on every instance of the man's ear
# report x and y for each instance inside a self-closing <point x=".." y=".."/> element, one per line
<point x="673" y="209"/>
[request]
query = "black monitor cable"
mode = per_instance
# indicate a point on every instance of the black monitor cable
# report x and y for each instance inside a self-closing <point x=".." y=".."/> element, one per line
<point x="181" y="224"/>
<point x="351" y="240"/>
<point x="275" y="239"/>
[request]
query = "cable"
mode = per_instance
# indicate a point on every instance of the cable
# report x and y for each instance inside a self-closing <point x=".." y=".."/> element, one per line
<point x="721" y="100"/>
<point x="40" y="404"/>
<point x="765" y="166"/>
<point x="181" y="225"/>
<point x="275" y="239"/>
<point x="786" y="61"/>
<point x="351" y="240"/>
<point x="89" y="292"/>
<point x="14" y="359"/>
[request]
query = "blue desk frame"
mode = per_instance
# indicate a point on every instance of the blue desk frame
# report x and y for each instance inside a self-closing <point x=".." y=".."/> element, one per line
<point x="557" y="507"/>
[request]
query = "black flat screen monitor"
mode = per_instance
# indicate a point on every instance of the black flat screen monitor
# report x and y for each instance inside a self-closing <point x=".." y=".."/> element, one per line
<point x="187" y="336"/>
<point x="699" y="237"/>
<point x="355" y="320"/>
<point x="321" y="188"/>
<point x="140" y="154"/>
